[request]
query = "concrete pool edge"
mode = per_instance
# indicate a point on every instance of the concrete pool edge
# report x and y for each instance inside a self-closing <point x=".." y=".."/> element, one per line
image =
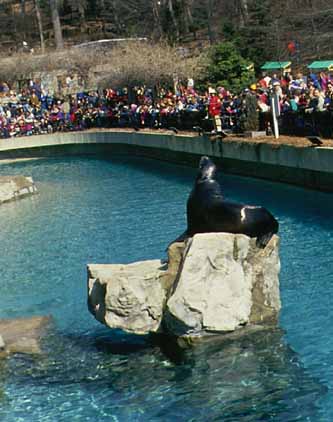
<point x="304" y="166"/>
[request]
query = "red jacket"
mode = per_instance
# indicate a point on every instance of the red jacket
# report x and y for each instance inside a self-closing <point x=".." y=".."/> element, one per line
<point x="215" y="105"/>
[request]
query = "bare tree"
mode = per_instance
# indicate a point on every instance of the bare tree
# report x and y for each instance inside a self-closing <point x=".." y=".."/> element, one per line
<point x="40" y="26"/>
<point x="243" y="12"/>
<point x="211" y="35"/>
<point x="173" y="17"/>
<point x="56" y="24"/>
<point x="187" y="18"/>
<point x="128" y="65"/>
<point x="24" y="15"/>
<point x="81" y="6"/>
<point x="156" y="5"/>
<point x="146" y="64"/>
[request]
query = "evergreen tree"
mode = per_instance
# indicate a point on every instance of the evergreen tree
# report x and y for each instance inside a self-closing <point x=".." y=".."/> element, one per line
<point x="228" y="68"/>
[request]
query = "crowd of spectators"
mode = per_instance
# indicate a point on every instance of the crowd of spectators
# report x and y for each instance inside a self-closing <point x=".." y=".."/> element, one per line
<point x="34" y="111"/>
<point x="304" y="102"/>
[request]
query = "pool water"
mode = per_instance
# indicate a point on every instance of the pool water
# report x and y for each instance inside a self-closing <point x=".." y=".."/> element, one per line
<point x="125" y="209"/>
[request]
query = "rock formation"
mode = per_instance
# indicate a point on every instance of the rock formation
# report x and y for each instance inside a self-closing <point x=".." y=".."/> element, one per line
<point x="225" y="283"/>
<point x="213" y="283"/>
<point x="22" y="335"/>
<point x="130" y="297"/>
<point x="14" y="187"/>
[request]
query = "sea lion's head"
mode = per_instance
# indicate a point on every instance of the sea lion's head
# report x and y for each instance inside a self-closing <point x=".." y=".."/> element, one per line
<point x="207" y="169"/>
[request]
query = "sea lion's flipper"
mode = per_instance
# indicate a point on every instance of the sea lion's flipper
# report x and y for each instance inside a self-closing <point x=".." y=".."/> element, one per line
<point x="263" y="240"/>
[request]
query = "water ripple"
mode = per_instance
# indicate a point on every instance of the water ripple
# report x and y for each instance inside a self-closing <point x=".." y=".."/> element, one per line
<point x="127" y="209"/>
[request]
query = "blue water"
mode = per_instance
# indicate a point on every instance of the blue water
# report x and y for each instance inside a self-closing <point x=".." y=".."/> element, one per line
<point x="126" y="209"/>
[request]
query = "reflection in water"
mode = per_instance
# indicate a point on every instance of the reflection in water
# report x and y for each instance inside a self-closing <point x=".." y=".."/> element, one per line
<point x="254" y="378"/>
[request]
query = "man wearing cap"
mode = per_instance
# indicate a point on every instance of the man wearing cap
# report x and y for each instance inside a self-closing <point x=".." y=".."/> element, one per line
<point x="214" y="110"/>
<point x="277" y="89"/>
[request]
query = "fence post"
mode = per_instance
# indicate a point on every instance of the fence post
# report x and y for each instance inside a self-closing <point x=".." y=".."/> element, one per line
<point x="275" y="113"/>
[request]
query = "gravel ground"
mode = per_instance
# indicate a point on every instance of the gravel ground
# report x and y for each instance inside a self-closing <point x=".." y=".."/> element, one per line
<point x="283" y="139"/>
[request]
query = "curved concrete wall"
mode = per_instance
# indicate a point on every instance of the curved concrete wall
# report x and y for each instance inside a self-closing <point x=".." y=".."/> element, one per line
<point x="305" y="166"/>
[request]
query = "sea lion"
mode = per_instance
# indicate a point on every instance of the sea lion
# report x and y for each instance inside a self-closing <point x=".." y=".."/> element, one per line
<point x="208" y="211"/>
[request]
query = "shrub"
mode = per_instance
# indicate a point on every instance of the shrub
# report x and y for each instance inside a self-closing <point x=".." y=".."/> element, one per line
<point x="157" y="64"/>
<point x="128" y="64"/>
<point x="226" y="67"/>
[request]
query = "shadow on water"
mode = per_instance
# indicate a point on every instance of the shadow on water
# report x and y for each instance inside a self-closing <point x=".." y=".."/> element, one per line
<point x="257" y="377"/>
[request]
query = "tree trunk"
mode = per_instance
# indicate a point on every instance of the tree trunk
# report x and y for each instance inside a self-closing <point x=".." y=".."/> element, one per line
<point x="173" y="17"/>
<point x="101" y="6"/>
<point x="56" y="24"/>
<point x="115" y="8"/>
<point x="157" y="18"/>
<point x="24" y="17"/>
<point x="188" y="18"/>
<point x="40" y="26"/>
<point x="314" y="30"/>
<point x="209" y="21"/>
<point x="244" y="12"/>
<point x="82" y="12"/>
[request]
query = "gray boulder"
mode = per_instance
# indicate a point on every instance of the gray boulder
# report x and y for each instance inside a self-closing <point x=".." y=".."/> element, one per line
<point x="225" y="283"/>
<point x="214" y="283"/>
<point x="130" y="297"/>
<point x="15" y="187"/>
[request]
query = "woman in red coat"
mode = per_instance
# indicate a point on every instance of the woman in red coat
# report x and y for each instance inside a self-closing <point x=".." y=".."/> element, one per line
<point x="214" y="110"/>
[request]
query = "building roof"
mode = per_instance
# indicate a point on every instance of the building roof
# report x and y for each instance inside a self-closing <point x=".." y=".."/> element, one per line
<point x="275" y="65"/>
<point x="323" y="64"/>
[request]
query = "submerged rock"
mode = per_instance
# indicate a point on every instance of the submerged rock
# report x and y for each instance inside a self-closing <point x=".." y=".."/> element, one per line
<point x="214" y="283"/>
<point x="22" y="335"/>
<point x="15" y="187"/>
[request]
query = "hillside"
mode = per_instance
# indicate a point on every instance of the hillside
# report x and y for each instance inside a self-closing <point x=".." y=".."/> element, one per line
<point x="300" y="30"/>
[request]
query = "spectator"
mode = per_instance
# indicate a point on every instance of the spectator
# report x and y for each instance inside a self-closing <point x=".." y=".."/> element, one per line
<point x="215" y="110"/>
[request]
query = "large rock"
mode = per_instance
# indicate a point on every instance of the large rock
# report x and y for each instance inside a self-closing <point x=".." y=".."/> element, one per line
<point x="130" y="297"/>
<point x="213" y="283"/>
<point x="15" y="187"/>
<point x="225" y="283"/>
